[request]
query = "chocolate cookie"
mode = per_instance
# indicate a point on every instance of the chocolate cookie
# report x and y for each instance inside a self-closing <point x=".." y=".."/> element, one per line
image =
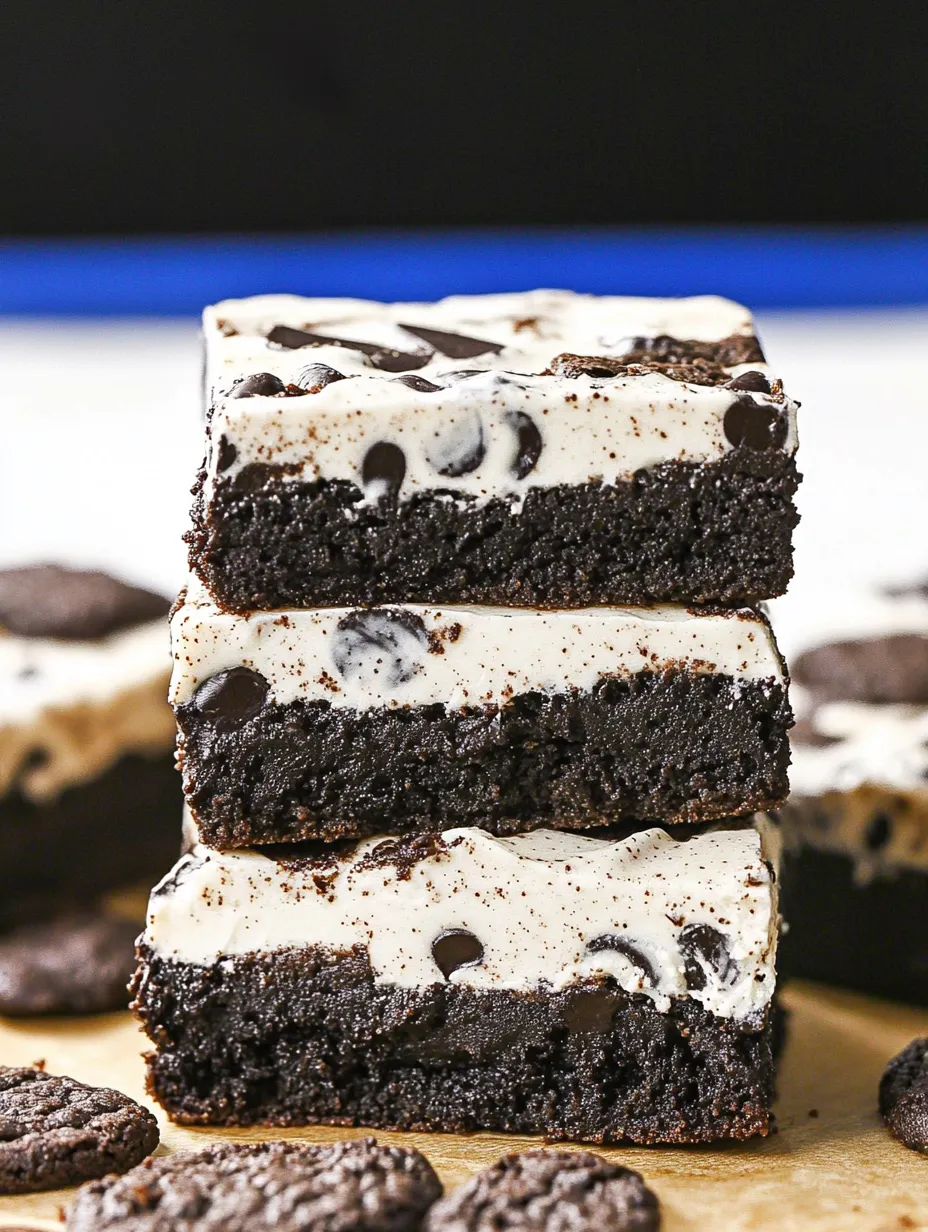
<point x="79" y="964"/>
<point x="56" y="1131"/>
<point x="285" y="1186"/>
<point x="72" y="604"/>
<point x="540" y="1191"/>
<point x="880" y="670"/>
<point x="904" y="1095"/>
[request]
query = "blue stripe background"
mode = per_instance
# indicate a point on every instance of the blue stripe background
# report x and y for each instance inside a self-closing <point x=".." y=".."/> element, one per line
<point x="766" y="268"/>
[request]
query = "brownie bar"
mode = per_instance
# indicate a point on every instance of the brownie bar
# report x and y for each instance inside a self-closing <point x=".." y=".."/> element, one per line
<point x="586" y="988"/>
<point x="116" y="829"/>
<point x="591" y="451"/>
<point x="335" y="723"/>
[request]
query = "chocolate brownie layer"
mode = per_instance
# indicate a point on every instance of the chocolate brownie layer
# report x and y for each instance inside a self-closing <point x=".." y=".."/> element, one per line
<point x="679" y="532"/>
<point x="646" y="747"/>
<point x="304" y="1036"/>
<point x="118" y="828"/>
<point x="866" y="935"/>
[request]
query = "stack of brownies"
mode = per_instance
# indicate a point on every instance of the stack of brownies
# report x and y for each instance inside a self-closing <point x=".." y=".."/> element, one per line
<point x="475" y="722"/>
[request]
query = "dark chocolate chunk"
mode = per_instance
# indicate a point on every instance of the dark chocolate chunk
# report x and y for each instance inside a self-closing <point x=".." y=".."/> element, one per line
<point x="75" y="965"/>
<point x="549" y="1191"/>
<point x="591" y="1011"/>
<point x="455" y="346"/>
<point x="353" y="1186"/>
<point x="879" y="670"/>
<point x="878" y="832"/>
<point x="704" y="946"/>
<point x="904" y="1095"/>
<point x="261" y="385"/>
<point x="232" y="697"/>
<point x="459" y="447"/>
<point x="226" y="454"/>
<point x="379" y="647"/>
<point x="72" y="604"/>
<point x="529" y="443"/>
<point x="317" y="376"/>
<point x="755" y="425"/>
<point x="56" y="1132"/>
<point x="750" y="383"/>
<point x="456" y="948"/>
<point x="385" y="358"/>
<point x="621" y="945"/>
<point x="419" y="383"/>
<point x="731" y="352"/>
<point x="384" y="463"/>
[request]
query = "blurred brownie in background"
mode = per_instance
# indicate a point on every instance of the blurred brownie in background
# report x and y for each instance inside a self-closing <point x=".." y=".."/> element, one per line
<point x="855" y="892"/>
<point x="89" y="797"/>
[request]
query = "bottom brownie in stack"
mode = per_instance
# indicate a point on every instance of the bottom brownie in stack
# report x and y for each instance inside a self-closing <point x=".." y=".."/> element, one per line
<point x="593" y="988"/>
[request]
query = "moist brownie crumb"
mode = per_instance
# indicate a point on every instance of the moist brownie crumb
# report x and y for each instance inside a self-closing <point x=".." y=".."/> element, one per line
<point x="537" y="1191"/>
<point x="285" y="1186"/>
<point x="79" y="964"/>
<point x="56" y="1131"/>
<point x="904" y="1095"/>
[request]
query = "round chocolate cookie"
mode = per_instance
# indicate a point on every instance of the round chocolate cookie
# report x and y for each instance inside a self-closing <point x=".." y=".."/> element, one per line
<point x="56" y="1131"/>
<point x="904" y="1095"/>
<point x="285" y="1186"/>
<point x="78" y="964"/>
<point x="880" y="670"/>
<point x="72" y="604"/>
<point x="549" y="1191"/>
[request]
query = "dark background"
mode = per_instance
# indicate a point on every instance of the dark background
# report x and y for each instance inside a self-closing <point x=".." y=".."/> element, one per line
<point x="125" y="116"/>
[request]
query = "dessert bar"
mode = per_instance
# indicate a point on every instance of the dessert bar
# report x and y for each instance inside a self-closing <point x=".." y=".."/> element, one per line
<point x="856" y="826"/>
<point x="542" y="449"/>
<point x="340" y="722"/>
<point x="88" y="792"/>
<point x="591" y="988"/>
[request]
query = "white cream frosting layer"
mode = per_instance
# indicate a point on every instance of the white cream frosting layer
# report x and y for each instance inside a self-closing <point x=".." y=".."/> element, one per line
<point x="457" y="656"/>
<point x="591" y="429"/>
<point x="80" y="706"/>
<point x="886" y="746"/>
<point x="535" y="902"/>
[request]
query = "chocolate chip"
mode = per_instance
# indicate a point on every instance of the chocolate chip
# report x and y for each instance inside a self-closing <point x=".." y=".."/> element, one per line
<point x="903" y="1095"/>
<point x="528" y="446"/>
<point x="587" y="1012"/>
<point x="225" y="454"/>
<point x="455" y="346"/>
<point x="620" y="945"/>
<point x="750" y="383"/>
<point x="231" y="698"/>
<point x="754" y="424"/>
<point x="419" y="383"/>
<point x="881" y="670"/>
<point x="317" y="376"/>
<point x="384" y="463"/>
<point x="73" y="604"/>
<point x="385" y="358"/>
<point x="261" y="385"/>
<point x="379" y="647"/>
<point x="878" y="832"/>
<point x="704" y="946"/>
<point x="459" y="447"/>
<point x="456" y="948"/>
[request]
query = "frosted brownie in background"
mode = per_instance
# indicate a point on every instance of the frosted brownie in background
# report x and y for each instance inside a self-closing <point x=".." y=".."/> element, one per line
<point x="337" y="722"/>
<point x="595" y="988"/>
<point x="541" y="449"/>
<point x="89" y="797"/>
<point x="856" y="826"/>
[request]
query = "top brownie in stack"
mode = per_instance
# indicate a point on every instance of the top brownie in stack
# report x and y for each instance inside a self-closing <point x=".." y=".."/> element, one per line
<point x="542" y="449"/>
